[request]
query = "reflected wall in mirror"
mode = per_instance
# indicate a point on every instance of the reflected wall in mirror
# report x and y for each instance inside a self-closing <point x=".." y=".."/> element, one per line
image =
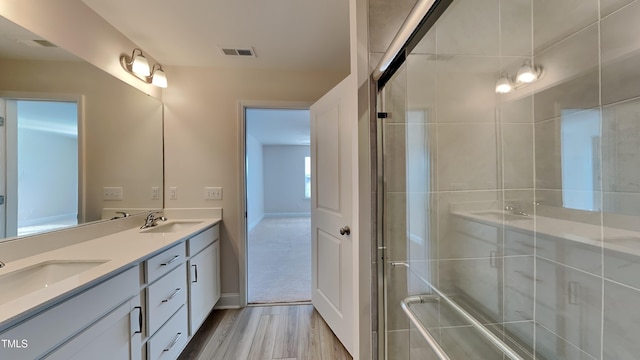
<point x="118" y="139"/>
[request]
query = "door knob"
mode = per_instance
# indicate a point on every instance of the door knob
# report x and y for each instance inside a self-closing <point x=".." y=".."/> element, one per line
<point x="345" y="230"/>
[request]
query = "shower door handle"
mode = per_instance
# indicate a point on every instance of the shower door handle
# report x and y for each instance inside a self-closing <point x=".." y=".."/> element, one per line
<point x="345" y="230"/>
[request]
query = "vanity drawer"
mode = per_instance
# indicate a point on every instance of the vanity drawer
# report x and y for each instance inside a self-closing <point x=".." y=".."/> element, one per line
<point x="165" y="297"/>
<point x="170" y="339"/>
<point x="202" y="240"/>
<point x="164" y="262"/>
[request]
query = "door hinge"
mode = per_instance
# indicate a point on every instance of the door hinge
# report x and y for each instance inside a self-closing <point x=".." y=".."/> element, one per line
<point x="1" y="121"/>
<point x="384" y="115"/>
<point x="1" y="199"/>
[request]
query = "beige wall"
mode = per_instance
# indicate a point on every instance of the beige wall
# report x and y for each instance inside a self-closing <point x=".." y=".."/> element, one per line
<point x="72" y="25"/>
<point x="202" y="139"/>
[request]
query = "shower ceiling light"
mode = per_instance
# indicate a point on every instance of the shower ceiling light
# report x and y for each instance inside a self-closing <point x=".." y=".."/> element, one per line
<point x="504" y="85"/>
<point x="527" y="73"/>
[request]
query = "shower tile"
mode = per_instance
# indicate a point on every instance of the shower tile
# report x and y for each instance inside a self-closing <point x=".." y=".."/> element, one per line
<point x="395" y="157"/>
<point x="515" y="27"/>
<point x="467" y="156"/>
<point x="620" y="147"/>
<point x="421" y="86"/>
<point x="466" y="89"/>
<point x="620" y="56"/>
<point x="475" y="284"/>
<point x="551" y="346"/>
<point x="570" y="79"/>
<point x="385" y="19"/>
<point x="550" y="20"/>
<point x="519" y="280"/>
<point x="395" y="226"/>
<point x="547" y="155"/>
<point x="471" y="239"/>
<point x="427" y="44"/>
<point x="464" y="342"/>
<point x="419" y="348"/>
<point x="521" y="334"/>
<point x="518" y="110"/>
<point x="469" y="27"/>
<point x="609" y="6"/>
<point x="398" y="344"/>
<point x="401" y="282"/>
<point x="622" y="266"/>
<point x="621" y="322"/>
<point x="569" y="304"/>
<point x="622" y="203"/>
<point x="517" y="152"/>
<point x="571" y="253"/>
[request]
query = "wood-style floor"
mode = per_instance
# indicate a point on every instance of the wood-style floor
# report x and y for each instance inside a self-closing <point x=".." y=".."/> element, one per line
<point x="292" y="332"/>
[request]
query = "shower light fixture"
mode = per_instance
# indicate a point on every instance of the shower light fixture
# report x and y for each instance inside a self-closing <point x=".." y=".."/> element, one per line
<point x="504" y="84"/>
<point x="138" y="66"/>
<point x="527" y="73"/>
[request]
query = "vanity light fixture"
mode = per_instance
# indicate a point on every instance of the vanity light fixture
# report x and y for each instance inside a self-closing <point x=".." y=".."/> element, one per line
<point x="158" y="77"/>
<point x="527" y="73"/>
<point x="138" y="66"/>
<point x="504" y="84"/>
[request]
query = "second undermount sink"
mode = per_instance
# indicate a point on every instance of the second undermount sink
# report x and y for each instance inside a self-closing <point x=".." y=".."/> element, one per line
<point x="500" y="215"/>
<point x="39" y="276"/>
<point x="172" y="226"/>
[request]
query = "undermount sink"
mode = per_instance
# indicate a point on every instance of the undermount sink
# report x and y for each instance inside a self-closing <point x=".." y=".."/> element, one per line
<point x="500" y="215"/>
<point x="33" y="278"/>
<point x="172" y="226"/>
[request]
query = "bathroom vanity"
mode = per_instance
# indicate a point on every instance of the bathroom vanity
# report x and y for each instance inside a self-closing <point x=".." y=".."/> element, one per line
<point x="132" y="294"/>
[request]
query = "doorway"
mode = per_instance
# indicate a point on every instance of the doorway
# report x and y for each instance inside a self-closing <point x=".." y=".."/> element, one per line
<point x="42" y="190"/>
<point x="278" y="203"/>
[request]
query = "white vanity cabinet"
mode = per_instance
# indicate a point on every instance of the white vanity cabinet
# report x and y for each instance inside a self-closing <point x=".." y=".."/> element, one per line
<point x="115" y="336"/>
<point x="204" y="284"/>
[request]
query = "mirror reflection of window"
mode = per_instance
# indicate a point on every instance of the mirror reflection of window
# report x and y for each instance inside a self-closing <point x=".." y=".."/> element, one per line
<point x="47" y="165"/>
<point x="580" y="154"/>
<point x="307" y="177"/>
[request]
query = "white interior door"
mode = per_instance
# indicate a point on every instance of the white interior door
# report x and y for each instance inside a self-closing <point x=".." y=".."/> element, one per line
<point x="333" y="121"/>
<point x="3" y="167"/>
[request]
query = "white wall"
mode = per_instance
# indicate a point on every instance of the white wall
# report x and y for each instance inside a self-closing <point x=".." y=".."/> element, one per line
<point x="255" y="182"/>
<point x="47" y="164"/>
<point x="284" y="180"/>
<point x="202" y="138"/>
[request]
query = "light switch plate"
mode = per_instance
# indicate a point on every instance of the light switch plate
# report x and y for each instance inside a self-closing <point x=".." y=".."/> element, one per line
<point x="173" y="193"/>
<point x="155" y="193"/>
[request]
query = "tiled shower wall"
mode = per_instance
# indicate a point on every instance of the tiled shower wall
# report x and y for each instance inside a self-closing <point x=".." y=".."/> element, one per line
<point x="557" y="297"/>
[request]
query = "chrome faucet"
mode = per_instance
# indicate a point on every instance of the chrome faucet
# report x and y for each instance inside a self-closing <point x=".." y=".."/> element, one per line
<point x="152" y="220"/>
<point x="1" y="264"/>
<point x="515" y="210"/>
<point x="124" y="214"/>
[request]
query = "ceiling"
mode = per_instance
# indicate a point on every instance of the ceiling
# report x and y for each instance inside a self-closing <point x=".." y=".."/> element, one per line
<point x="285" y="34"/>
<point x="17" y="43"/>
<point x="279" y="126"/>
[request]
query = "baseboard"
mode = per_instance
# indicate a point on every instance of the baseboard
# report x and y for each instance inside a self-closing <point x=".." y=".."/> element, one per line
<point x="280" y="215"/>
<point x="228" y="301"/>
<point x="253" y="224"/>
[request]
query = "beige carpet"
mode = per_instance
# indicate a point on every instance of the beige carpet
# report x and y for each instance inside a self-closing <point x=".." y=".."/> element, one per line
<point x="280" y="260"/>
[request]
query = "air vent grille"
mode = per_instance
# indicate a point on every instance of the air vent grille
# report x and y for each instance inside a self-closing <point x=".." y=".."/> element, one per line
<point x="245" y="51"/>
<point x="36" y="43"/>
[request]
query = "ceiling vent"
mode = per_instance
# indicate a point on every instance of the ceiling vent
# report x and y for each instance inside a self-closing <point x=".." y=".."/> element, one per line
<point x="36" y="43"/>
<point x="244" y="52"/>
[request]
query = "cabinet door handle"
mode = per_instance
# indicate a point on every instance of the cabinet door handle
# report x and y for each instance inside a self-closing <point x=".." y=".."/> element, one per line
<point x="170" y="261"/>
<point x="195" y="267"/>
<point x="139" y="308"/>
<point x="173" y="294"/>
<point x="174" y="342"/>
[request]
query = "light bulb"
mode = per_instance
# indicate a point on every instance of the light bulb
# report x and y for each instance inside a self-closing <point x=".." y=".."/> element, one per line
<point x="503" y="85"/>
<point x="159" y="78"/>
<point x="526" y="73"/>
<point x="140" y="66"/>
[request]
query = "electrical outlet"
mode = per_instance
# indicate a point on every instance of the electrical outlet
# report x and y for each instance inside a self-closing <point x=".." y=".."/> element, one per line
<point x="213" y="193"/>
<point x="155" y="193"/>
<point x="173" y="193"/>
<point x="112" y="193"/>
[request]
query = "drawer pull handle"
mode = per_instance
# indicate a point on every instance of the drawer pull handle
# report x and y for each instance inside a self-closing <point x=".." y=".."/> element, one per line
<point x="173" y="294"/>
<point x="195" y="267"/>
<point x="174" y="342"/>
<point x="170" y="261"/>
<point x="139" y="308"/>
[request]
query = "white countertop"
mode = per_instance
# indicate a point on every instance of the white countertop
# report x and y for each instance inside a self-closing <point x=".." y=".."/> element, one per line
<point x="121" y="251"/>
<point x="621" y="240"/>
